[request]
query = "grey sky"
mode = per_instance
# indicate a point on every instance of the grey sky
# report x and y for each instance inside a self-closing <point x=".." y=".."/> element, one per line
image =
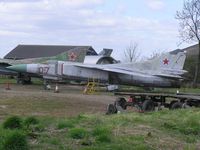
<point x="100" y="23"/>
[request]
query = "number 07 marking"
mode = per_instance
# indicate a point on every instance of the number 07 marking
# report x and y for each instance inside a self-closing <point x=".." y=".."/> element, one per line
<point x="43" y="70"/>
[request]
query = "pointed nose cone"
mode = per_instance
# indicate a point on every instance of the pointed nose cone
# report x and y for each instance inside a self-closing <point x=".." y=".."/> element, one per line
<point x="18" y="68"/>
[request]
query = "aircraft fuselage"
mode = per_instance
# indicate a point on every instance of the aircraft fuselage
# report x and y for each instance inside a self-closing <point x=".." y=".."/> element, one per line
<point x="70" y="71"/>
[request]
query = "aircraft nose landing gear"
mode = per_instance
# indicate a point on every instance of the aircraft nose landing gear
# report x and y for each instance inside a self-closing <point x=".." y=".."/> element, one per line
<point x="23" y="79"/>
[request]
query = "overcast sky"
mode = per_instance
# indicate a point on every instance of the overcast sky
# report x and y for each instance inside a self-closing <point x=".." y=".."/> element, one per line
<point x="99" y="23"/>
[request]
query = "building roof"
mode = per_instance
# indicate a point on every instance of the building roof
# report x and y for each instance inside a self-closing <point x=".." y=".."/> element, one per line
<point x="35" y="51"/>
<point x="192" y="50"/>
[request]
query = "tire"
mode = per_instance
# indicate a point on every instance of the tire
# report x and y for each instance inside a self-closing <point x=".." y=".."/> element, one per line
<point x="148" y="105"/>
<point x="20" y="81"/>
<point x="177" y="105"/>
<point x="171" y="103"/>
<point x="111" y="109"/>
<point x="27" y="80"/>
<point x="185" y="106"/>
<point x="121" y="102"/>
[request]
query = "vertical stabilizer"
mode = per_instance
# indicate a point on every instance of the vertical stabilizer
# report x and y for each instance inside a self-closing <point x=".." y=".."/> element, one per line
<point x="172" y="61"/>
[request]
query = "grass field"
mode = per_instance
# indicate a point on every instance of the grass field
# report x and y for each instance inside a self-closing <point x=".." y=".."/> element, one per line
<point x="4" y="80"/>
<point x="70" y="120"/>
<point x="178" y="129"/>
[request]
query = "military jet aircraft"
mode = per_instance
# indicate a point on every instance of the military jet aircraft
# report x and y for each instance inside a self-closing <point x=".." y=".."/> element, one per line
<point x="26" y="77"/>
<point x="163" y="71"/>
<point x="71" y="55"/>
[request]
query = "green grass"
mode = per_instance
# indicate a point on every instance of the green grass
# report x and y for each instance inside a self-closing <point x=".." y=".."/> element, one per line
<point x="99" y="130"/>
<point x="102" y="134"/>
<point x="5" y="80"/>
<point x="13" y="122"/>
<point x="30" y="121"/>
<point x="65" y="124"/>
<point x="178" y="129"/>
<point x="77" y="133"/>
<point x="16" y="140"/>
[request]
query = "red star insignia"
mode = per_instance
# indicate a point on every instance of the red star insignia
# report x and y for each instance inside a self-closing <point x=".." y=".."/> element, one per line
<point x="165" y="61"/>
<point x="72" y="56"/>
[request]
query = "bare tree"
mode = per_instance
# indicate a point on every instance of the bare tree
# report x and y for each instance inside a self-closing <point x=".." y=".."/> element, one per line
<point x="189" y="20"/>
<point x="156" y="53"/>
<point x="131" y="52"/>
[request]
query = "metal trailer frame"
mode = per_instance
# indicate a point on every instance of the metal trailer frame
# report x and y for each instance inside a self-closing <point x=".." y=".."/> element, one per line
<point x="145" y="102"/>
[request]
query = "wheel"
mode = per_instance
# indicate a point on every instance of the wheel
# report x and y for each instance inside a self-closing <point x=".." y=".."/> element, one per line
<point x="20" y="81"/>
<point x="148" y="105"/>
<point x="121" y="102"/>
<point x="177" y="105"/>
<point x="185" y="105"/>
<point x="27" y="79"/>
<point x="111" y="109"/>
<point x="171" y="103"/>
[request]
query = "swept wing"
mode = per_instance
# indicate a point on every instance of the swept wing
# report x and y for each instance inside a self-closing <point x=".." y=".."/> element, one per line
<point x="127" y="71"/>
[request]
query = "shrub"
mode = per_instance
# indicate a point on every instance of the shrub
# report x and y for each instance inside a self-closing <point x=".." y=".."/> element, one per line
<point x="30" y="121"/>
<point x="77" y="133"/>
<point x="13" y="122"/>
<point x="15" y="141"/>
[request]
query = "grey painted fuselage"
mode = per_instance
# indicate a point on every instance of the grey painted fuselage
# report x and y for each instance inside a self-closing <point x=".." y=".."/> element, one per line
<point x="164" y="71"/>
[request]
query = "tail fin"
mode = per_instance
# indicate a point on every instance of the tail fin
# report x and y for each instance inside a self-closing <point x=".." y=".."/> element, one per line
<point x="74" y="55"/>
<point x="169" y="61"/>
<point x="106" y="52"/>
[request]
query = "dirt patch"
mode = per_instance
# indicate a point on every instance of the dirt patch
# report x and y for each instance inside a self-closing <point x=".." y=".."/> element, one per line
<point x="34" y="100"/>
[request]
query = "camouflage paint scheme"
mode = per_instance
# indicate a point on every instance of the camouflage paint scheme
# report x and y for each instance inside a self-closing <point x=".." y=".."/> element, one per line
<point x="65" y="56"/>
